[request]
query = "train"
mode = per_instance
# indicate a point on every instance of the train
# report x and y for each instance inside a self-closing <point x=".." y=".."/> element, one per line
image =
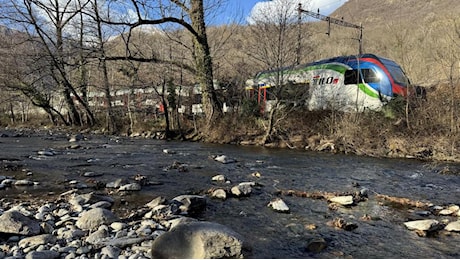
<point x="345" y="83"/>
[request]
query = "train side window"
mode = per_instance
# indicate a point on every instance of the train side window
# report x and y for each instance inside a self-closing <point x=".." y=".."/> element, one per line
<point x="351" y="77"/>
<point x="370" y="76"/>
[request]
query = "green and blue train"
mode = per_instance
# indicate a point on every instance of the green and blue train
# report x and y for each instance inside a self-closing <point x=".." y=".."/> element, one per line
<point x="345" y="83"/>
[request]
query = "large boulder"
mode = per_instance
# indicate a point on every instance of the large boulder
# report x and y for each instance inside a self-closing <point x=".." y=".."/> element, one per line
<point x="14" y="222"/>
<point x="198" y="240"/>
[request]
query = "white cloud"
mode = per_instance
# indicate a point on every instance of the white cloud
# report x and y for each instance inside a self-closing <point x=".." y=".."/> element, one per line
<point x="326" y="7"/>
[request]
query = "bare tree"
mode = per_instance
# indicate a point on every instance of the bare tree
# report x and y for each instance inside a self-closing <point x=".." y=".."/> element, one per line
<point x="47" y="24"/>
<point x="446" y="53"/>
<point x="189" y="15"/>
<point x="275" y="45"/>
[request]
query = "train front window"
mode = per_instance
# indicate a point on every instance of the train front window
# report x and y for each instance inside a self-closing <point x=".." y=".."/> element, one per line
<point x="396" y="72"/>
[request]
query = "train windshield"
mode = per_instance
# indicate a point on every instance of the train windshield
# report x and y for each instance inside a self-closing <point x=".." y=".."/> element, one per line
<point x="396" y="72"/>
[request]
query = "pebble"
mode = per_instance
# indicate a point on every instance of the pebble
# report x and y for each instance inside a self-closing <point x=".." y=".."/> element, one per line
<point x="278" y="205"/>
<point x="224" y="159"/>
<point x="342" y="200"/>
<point x="219" y="194"/>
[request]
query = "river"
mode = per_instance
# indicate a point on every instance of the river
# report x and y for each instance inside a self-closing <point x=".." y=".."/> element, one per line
<point x="270" y="234"/>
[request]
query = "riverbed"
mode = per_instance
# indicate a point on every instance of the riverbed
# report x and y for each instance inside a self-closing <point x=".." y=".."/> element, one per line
<point x="174" y="168"/>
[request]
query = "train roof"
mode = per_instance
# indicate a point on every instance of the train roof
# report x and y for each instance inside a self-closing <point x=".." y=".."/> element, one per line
<point x="338" y="59"/>
<point x="343" y="59"/>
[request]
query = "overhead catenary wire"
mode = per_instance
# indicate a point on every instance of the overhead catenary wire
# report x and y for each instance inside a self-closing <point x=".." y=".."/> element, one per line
<point x="332" y="20"/>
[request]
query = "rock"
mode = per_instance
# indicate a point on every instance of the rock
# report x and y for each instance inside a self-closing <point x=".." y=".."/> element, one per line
<point x="191" y="204"/>
<point x="167" y="151"/>
<point x="89" y="198"/>
<point x="219" y="178"/>
<point x="130" y="187"/>
<point x="155" y="202"/>
<point x="343" y="224"/>
<point x="76" y="138"/>
<point x="120" y="242"/>
<point x="37" y="240"/>
<point x="14" y="222"/>
<point x="316" y="245"/>
<point x="446" y="212"/>
<point x="48" y="152"/>
<point x="117" y="226"/>
<point x="177" y="221"/>
<point x="422" y="225"/>
<point x="93" y="218"/>
<point x="453" y="226"/>
<point x="23" y="183"/>
<point x="44" y="254"/>
<point x="111" y="252"/>
<point x="115" y="184"/>
<point x="202" y="240"/>
<point x="342" y="200"/>
<point x="92" y="174"/>
<point x="278" y="205"/>
<point x="219" y="194"/>
<point x="224" y="159"/>
<point x="97" y="236"/>
<point x="242" y="189"/>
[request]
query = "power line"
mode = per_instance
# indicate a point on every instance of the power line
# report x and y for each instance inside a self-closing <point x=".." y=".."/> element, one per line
<point x="330" y="20"/>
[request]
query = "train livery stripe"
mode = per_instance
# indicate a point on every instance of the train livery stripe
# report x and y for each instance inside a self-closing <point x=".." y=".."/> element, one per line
<point x="335" y="67"/>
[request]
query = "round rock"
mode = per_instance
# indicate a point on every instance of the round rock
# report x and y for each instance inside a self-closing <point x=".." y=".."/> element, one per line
<point x="93" y="218"/>
<point x="198" y="240"/>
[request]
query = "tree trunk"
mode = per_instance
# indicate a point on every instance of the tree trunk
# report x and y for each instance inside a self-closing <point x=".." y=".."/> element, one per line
<point x="203" y="60"/>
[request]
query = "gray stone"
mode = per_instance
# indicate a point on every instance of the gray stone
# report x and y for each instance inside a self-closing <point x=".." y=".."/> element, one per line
<point x="155" y="202"/>
<point x="46" y="152"/>
<point x="23" y="183"/>
<point x="198" y="240"/>
<point x="423" y="225"/>
<point x="97" y="236"/>
<point x="115" y="184"/>
<point x="224" y="159"/>
<point x="37" y="240"/>
<point x="130" y="187"/>
<point x="178" y="221"/>
<point x="242" y="189"/>
<point x="117" y="226"/>
<point x="111" y="251"/>
<point x="93" y="218"/>
<point x="316" y="245"/>
<point x="278" y="205"/>
<point x="92" y="174"/>
<point x="78" y="201"/>
<point x="121" y="242"/>
<point x="45" y="254"/>
<point x="76" y="138"/>
<point x="14" y="222"/>
<point x="101" y="204"/>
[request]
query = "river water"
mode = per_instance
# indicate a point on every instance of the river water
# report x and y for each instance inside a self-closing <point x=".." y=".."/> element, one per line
<point x="270" y="234"/>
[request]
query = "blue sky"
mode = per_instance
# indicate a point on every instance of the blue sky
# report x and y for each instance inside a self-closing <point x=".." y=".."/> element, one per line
<point x="239" y="10"/>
